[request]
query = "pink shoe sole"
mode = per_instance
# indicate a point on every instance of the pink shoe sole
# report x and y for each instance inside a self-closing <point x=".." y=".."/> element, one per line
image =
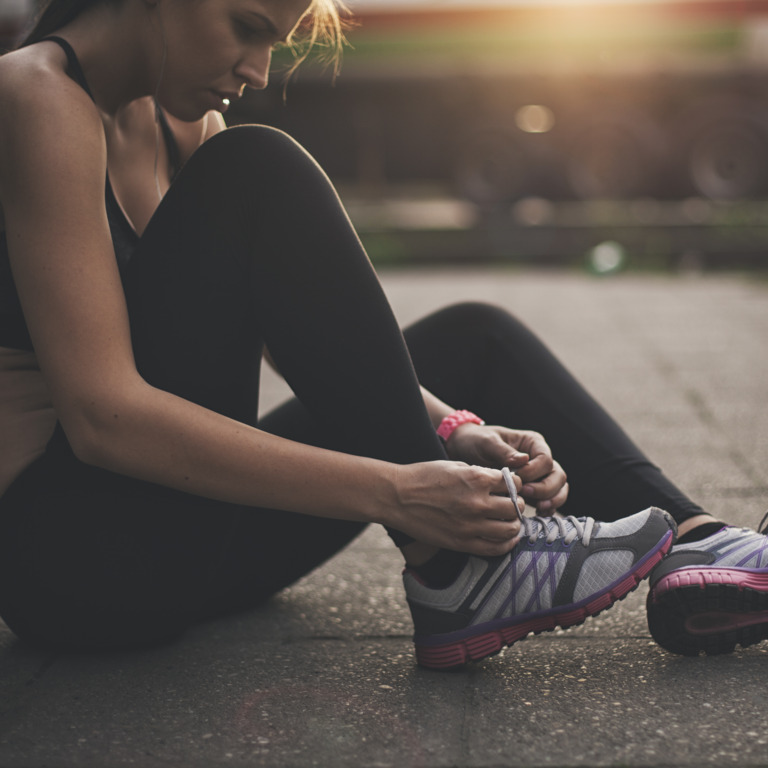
<point x="711" y="610"/>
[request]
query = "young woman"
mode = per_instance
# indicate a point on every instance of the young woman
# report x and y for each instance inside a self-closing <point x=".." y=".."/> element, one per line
<point x="148" y="257"/>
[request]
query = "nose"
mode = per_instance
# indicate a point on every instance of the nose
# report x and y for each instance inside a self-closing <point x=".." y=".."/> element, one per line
<point x="253" y="68"/>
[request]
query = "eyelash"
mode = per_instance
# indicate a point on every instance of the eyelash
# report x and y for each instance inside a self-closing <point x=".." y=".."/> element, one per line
<point x="247" y="32"/>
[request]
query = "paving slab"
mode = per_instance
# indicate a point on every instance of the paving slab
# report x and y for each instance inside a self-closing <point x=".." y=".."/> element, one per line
<point x="323" y="675"/>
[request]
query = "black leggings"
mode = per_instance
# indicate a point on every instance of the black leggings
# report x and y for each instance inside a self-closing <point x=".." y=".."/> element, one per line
<point x="251" y="246"/>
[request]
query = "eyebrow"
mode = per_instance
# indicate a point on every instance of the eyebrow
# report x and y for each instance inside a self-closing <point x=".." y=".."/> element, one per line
<point x="268" y="23"/>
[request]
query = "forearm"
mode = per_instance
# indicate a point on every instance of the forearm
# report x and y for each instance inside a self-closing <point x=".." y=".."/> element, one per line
<point x="436" y="408"/>
<point x="155" y="436"/>
<point x="161" y="438"/>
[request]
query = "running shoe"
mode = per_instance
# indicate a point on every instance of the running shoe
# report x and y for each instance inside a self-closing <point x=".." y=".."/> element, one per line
<point x="712" y="595"/>
<point x="562" y="570"/>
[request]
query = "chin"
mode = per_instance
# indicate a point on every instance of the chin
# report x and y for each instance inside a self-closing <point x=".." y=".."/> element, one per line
<point x="187" y="113"/>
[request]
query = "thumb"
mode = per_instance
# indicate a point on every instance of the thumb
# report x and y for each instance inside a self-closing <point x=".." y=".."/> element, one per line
<point x="507" y="455"/>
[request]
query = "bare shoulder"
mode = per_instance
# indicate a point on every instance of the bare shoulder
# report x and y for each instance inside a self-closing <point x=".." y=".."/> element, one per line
<point x="42" y="110"/>
<point x="33" y="77"/>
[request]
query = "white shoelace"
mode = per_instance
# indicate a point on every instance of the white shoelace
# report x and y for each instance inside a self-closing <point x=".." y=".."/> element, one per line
<point x="565" y="528"/>
<point x="580" y="528"/>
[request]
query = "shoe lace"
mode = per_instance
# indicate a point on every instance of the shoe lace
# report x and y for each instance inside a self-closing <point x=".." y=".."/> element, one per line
<point x="565" y="528"/>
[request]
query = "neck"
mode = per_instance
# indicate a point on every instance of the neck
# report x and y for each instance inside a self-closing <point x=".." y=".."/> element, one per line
<point x="120" y="49"/>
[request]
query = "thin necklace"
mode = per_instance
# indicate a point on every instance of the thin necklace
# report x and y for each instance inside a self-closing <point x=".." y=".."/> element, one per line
<point x="157" y="151"/>
<point x="157" y="116"/>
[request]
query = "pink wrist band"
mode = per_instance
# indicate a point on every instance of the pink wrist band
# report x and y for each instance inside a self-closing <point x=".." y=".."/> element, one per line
<point x="456" y="419"/>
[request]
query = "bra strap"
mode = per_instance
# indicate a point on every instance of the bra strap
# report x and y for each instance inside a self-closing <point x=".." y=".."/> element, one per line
<point x="75" y="70"/>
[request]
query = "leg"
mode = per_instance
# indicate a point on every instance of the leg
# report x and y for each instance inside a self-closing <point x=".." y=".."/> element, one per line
<point x="478" y="357"/>
<point x="267" y="255"/>
<point x="250" y="245"/>
<point x="711" y="593"/>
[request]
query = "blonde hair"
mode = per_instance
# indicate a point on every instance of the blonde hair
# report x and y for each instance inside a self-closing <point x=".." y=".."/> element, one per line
<point x="322" y="31"/>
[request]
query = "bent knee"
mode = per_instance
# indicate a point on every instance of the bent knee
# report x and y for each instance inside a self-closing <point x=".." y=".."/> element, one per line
<point x="478" y="316"/>
<point x="255" y="151"/>
<point x="245" y="138"/>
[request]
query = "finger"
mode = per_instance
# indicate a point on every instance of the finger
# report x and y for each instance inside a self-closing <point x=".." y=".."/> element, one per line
<point x="561" y="497"/>
<point x="503" y="508"/>
<point x="549" y="506"/>
<point x="509" y="451"/>
<point x="499" y="530"/>
<point x="494" y="532"/>
<point x="546" y="487"/>
<point x="538" y="467"/>
<point x="516" y="460"/>
<point x="495" y="451"/>
<point x="501" y="482"/>
<point x="508" y="454"/>
<point x="535" y="444"/>
<point x="540" y="463"/>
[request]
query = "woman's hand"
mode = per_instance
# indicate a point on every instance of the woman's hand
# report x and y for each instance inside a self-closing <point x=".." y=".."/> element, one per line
<point x="456" y="506"/>
<point x="545" y="485"/>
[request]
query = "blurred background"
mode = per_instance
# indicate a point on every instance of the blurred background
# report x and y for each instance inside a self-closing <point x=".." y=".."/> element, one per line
<point x="613" y="134"/>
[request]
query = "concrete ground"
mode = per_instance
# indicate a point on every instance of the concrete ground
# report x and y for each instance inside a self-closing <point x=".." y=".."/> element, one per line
<point x="324" y="675"/>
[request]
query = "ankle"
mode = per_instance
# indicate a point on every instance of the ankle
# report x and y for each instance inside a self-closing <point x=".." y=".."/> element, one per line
<point x="698" y="528"/>
<point x="440" y="569"/>
<point x="695" y="522"/>
<point x="417" y="553"/>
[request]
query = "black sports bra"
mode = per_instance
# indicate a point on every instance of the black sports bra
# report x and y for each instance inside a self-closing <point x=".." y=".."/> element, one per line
<point x="13" y="327"/>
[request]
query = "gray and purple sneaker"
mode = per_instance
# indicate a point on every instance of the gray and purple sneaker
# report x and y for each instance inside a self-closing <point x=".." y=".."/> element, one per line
<point x="562" y="570"/>
<point x="711" y="595"/>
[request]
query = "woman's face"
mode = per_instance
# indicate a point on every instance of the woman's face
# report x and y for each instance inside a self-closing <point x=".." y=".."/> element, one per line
<point x="214" y="48"/>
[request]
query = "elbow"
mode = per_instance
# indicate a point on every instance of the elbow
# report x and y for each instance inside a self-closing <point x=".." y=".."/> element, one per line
<point x="100" y="419"/>
<point x="86" y="450"/>
<point x="93" y="435"/>
<point x="85" y="442"/>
